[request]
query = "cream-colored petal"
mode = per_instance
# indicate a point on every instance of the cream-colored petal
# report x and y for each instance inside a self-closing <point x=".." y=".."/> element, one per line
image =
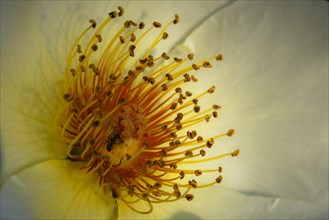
<point x="58" y="189"/>
<point x="62" y="22"/>
<point x="29" y="92"/>
<point x="273" y="86"/>
<point x="229" y="205"/>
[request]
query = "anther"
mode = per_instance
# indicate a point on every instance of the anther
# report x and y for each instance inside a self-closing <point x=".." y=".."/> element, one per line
<point x="199" y="139"/>
<point x="96" y="123"/>
<point x="156" y="24"/>
<point x="189" y="197"/>
<point x="230" y="132"/>
<point x="73" y="72"/>
<point x="198" y="172"/>
<point x="188" y="94"/>
<point x="211" y="90"/>
<point x="202" y="152"/>
<point x="195" y="67"/>
<point x="122" y="40"/>
<point x="178" y="90"/>
<point x="82" y="57"/>
<point x="79" y="48"/>
<point x="133" y="23"/>
<point x="195" y="101"/>
<point x="187" y="77"/>
<point x="193" y="183"/>
<point x="235" y="153"/>
<point x="67" y="97"/>
<point x="164" y="87"/>
<point x="173" y="106"/>
<point x="210" y="142"/>
<point x="141" y="25"/>
<point x="121" y="11"/>
<point x="215" y="114"/>
<point x="219" y="57"/>
<point x="182" y="175"/>
<point x="99" y="37"/>
<point x="189" y="153"/>
<point x="176" y="20"/>
<point x="165" y="35"/>
<point x="94" y="47"/>
<point x="196" y="108"/>
<point x="164" y="127"/>
<point x="165" y="56"/>
<point x="194" y="79"/>
<point x="219" y="179"/>
<point x="173" y="135"/>
<point x="206" y="64"/>
<point x="127" y="24"/>
<point x="113" y="14"/>
<point x="220" y="169"/>
<point x="93" y="23"/>
<point x="190" y="56"/>
<point x="169" y="77"/>
<point x="216" y="107"/>
<point x="178" y="60"/>
<point x="132" y="37"/>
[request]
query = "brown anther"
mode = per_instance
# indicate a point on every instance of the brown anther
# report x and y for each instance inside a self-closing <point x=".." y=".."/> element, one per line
<point x="96" y="123"/>
<point x="189" y="153"/>
<point x="189" y="197"/>
<point x="165" y="56"/>
<point x="199" y="139"/>
<point x="113" y="14"/>
<point x="195" y="67"/>
<point x="141" y="25"/>
<point x="180" y="101"/>
<point x="210" y="142"/>
<point x="164" y="152"/>
<point x="127" y="24"/>
<point x="156" y="24"/>
<point x="177" y="143"/>
<point x="82" y="68"/>
<point x="82" y="57"/>
<point x="195" y="101"/>
<point x="79" y="48"/>
<point x="219" y="57"/>
<point x="188" y="94"/>
<point x="94" y="47"/>
<point x="150" y="57"/>
<point x="178" y="60"/>
<point x="173" y="135"/>
<point x="211" y="90"/>
<point x="177" y="193"/>
<point x="96" y="71"/>
<point x="145" y="78"/>
<point x="219" y="179"/>
<point x="174" y="166"/>
<point x="187" y="77"/>
<point x="157" y="185"/>
<point x="164" y="87"/>
<point x="198" y="172"/>
<point x="133" y="23"/>
<point x="179" y="126"/>
<point x="230" y="132"/>
<point x="206" y="64"/>
<point x="165" y="35"/>
<point x="220" y="169"/>
<point x="98" y="88"/>
<point x="178" y="90"/>
<point x="131" y="73"/>
<point x="122" y="40"/>
<point x="216" y="107"/>
<point x="235" y="153"/>
<point x="176" y="20"/>
<point x="150" y="63"/>
<point x="190" y="56"/>
<point x="182" y="175"/>
<point x="67" y="97"/>
<point x="181" y="96"/>
<point x="112" y="76"/>
<point x="175" y="186"/>
<point x="191" y="134"/>
<point x="140" y="69"/>
<point x="169" y="77"/>
<point x="121" y="11"/>
<point x="99" y="37"/>
<point x="202" y="152"/>
<point x="194" y="79"/>
<point x="109" y="94"/>
<point x="93" y="23"/>
<point x="151" y="81"/>
<point x="215" y="114"/>
<point x="173" y="106"/>
<point x="128" y="156"/>
<point x="145" y="196"/>
<point x="196" y="109"/>
<point x="207" y="117"/>
<point x="73" y="72"/>
<point x="92" y="66"/>
<point x="132" y="37"/>
<point x="164" y="127"/>
<point x="193" y="183"/>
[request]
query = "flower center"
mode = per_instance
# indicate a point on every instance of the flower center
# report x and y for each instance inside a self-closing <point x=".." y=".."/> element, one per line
<point x="128" y="119"/>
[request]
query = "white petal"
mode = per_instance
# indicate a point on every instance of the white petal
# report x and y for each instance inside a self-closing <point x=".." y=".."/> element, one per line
<point x="218" y="203"/>
<point x="60" y="190"/>
<point x="273" y="85"/>
<point x="62" y="22"/>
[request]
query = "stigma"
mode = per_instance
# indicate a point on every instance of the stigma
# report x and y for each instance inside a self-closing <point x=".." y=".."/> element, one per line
<point x="128" y="119"/>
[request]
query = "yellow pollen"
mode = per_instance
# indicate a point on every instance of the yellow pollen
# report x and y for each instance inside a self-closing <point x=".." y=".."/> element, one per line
<point x="127" y="117"/>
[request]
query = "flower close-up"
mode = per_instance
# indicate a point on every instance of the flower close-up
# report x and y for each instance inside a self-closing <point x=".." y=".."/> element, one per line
<point x="164" y="110"/>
